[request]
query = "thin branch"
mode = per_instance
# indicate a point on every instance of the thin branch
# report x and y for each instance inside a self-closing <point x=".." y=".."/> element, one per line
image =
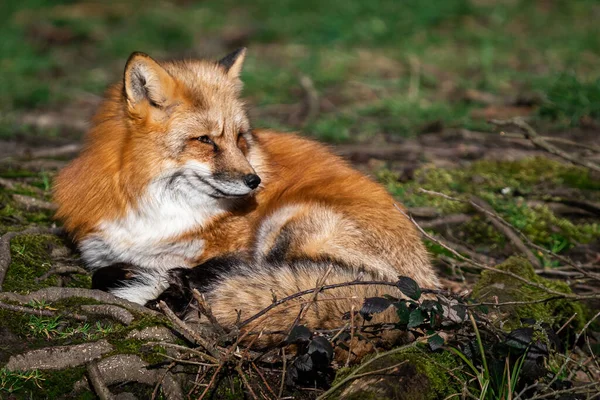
<point x="524" y="237"/>
<point x="188" y="332"/>
<point x="205" y="310"/>
<point x="499" y="271"/>
<point x="539" y="142"/>
<point x="508" y="232"/>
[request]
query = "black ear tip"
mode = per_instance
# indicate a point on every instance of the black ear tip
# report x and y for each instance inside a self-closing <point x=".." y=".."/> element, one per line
<point x="227" y="61"/>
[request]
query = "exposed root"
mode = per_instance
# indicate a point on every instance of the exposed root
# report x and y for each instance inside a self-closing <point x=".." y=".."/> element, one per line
<point x="52" y="294"/>
<point x="115" y="312"/>
<point x="131" y="368"/>
<point x="153" y="333"/>
<point x="33" y="204"/>
<point x="67" y="269"/>
<point x="98" y="383"/>
<point x="59" y="357"/>
<point x="39" y="312"/>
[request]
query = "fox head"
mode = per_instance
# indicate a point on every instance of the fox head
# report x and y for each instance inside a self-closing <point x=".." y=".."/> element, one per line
<point x="187" y="125"/>
<point x="171" y="132"/>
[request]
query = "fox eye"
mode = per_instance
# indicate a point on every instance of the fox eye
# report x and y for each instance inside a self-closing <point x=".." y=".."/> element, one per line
<point x="206" y="139"/>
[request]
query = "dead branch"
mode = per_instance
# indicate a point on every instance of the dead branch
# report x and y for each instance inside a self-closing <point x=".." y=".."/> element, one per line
<point x="586" y="146"/>
<point x="472" y="254"/>
<point x="246" y="383"/>
<point x="63" y="270"/>
<point x="115" y="312"/>
<point x="588" y="206"/>
<point x="264" y="381"/>
<point x="508" y="232"/>
<point x="53" y="152"/>
<point x="189" y="333"/>
<point x="5" y="257"/>
<point x="98" y="383"/>
<point x="59" y="357"/>
<point x="499" y="271"/>
<point x="424" y="212"/>
<point x="454" y="219"/>
<point x="205" y="310"/>
<point x="196" y="352"/>
<point x="540" y="143"/>
<point x="523" y="237"/>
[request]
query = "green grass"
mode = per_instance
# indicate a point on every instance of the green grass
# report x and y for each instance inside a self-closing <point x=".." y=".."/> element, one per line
<point x="386" y="66"/>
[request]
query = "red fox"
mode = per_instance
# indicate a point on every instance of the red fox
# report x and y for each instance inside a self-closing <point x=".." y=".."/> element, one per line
<point x="173" y="178"/>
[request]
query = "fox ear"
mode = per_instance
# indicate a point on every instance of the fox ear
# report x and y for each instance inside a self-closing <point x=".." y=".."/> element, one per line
<point x="233" y="62"/>
<point x="145" y="79"/>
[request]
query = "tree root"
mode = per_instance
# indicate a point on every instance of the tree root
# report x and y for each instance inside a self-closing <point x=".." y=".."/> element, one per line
<point x="33" y="204"/>
<point x="41" y="313"/>
<point x="131" y="368"/>
<point x="98" y="383"/>
<point x="66" y="269"/>
<point x="53" y="294"/>
<point x="59" y="357"/>
<point x="115" y="312"/>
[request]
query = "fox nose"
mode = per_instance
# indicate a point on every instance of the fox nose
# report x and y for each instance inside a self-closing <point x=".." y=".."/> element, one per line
<point x="252" y="181"/>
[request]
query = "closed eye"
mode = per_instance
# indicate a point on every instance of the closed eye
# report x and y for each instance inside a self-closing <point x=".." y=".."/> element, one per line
<point x="206" y="139"/>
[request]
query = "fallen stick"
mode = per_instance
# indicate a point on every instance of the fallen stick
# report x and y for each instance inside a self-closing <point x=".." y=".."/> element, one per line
<point x="506" y="231"/>
<point x="539" y="142"/>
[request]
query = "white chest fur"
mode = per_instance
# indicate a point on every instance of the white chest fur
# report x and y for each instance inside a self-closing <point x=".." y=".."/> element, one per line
<point x="148" y="234"/>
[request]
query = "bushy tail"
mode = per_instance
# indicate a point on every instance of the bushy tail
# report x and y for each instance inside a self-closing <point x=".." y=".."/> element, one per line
<point x="268" y="300"/>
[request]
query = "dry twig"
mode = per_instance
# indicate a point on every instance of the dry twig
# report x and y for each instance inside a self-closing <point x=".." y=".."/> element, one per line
<point x="539" y="142"/>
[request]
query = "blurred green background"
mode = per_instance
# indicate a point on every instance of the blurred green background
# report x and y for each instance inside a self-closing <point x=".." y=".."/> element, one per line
<point x="339" y="70"/>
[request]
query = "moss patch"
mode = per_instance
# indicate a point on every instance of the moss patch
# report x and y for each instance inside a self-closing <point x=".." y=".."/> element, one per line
<point x="494" y="285"/>
<point x="418" y="375"/>
<point x="507" y="186"/>
<point x="30" y="260"/>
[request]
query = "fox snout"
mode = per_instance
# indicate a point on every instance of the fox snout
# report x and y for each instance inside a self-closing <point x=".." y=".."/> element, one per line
<point x="234" y="184"/>
<point x="252" y="180"/>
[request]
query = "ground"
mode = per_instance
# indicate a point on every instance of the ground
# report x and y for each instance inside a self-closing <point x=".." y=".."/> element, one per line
<point x="404" y="90"/>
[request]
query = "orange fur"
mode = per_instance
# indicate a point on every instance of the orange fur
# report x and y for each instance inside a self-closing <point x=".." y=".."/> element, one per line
<point x="311" y="204"/>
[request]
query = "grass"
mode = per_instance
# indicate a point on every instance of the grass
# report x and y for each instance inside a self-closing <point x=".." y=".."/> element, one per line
<point x="381" y="67"/>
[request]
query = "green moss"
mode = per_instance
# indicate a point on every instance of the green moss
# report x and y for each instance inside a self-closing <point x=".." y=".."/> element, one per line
<point x="424" y="375"/>
<point x="30" y="259"/>
<point x="506" y="186"/>
<point x="494" y="285"/>
<point x="41" y="384"/>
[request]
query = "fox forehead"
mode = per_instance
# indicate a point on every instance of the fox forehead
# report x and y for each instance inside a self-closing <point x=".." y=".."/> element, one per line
<point x="213" y="121"/>
<point x="210" y="103"/>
